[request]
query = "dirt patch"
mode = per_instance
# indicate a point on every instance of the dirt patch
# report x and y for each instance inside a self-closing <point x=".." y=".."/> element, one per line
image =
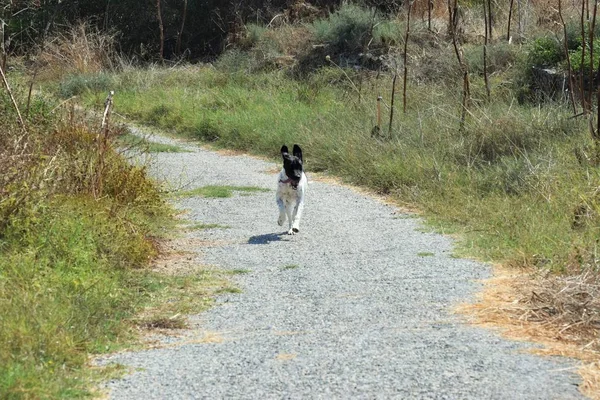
<point x="558" y="312"/>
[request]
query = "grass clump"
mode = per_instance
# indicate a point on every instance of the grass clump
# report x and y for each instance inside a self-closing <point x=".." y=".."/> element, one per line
<point x="201" y="226"/>
<point x="346" y="30"/>
<point x="215" y="191"/>
<point x="75" y="85"/>
<point x="130" y="141"/>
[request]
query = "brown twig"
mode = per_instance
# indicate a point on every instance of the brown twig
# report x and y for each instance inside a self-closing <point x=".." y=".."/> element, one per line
<point x="392" y="104"/>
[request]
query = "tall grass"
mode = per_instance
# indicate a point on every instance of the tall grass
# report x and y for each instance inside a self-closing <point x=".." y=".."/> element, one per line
<point x="511" y="181"/>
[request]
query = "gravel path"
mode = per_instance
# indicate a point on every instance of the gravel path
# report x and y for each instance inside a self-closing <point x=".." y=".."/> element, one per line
<point x="358" y="305"/>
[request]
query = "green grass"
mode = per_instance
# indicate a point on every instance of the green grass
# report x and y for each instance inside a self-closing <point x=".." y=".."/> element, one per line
<point x="213" y="191"/>
<point x="290" y="266"/>
<point x="240" y="271"/>
<point x="130" y="141"/>
<point x="174" y="297"/>
<point x="233" y="290"/>
<point x="508" y="182"/>
<point x="201" y="226"/>
<point x="425" y="254"/>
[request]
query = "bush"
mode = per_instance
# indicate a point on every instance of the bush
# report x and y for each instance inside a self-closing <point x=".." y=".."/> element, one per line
<point x="500" y="57"/>
<point x="75" y="85"/>
<point x="545" y="52"/>
<point x="347" y="30"/>
<point x="576" y="62"/>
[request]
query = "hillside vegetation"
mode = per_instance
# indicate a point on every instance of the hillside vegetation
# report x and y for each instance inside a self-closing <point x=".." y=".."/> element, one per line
<point x="515" y="174"/>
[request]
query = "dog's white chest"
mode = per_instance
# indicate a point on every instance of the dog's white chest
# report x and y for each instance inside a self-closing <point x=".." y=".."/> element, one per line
<point x="287" y="193"/>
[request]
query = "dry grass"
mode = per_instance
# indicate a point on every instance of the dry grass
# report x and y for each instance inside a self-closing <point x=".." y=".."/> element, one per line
<point x="560" y="312"/>
<point x="80" y="49"/>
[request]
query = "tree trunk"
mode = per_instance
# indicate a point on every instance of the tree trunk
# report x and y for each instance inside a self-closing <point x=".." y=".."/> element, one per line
<point x="510" y="10"/>
<point x="569" y="69"/>
<point x="161" y="30"/>
<point x="490" y="19"/>
<point x="487" y="23"/>
<point x="183" y="17"/>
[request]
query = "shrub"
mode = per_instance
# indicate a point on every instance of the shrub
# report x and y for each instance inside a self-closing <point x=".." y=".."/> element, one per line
<point x="500" y="57"/>
<point x="545" y="51"/>
<point x="347" y="30"/>
<point x="75" y="85"/>
<point x="575" y="57"/>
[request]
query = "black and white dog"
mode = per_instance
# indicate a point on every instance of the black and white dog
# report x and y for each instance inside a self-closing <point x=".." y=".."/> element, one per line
<point x="291" y="186"/>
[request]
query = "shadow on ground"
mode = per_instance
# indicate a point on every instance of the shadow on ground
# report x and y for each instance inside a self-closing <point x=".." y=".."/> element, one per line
<point x="265" y="239"/>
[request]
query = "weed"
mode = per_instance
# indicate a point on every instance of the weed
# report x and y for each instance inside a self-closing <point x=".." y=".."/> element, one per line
<point x="425" y="254"/>
<point x="290" y="266"/>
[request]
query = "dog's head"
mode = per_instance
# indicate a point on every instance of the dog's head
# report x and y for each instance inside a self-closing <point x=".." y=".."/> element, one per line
<point x="292" y="164"/>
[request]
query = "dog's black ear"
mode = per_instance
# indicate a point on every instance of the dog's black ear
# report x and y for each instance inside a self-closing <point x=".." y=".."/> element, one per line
<point x="284" y="149"/>
<point x="297" y="151"/>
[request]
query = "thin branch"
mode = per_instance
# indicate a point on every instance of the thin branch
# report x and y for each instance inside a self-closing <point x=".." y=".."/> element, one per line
<point x="410" y="4"/>
<point x="392" y="104"/>
<point x="183" y="17"/>
<point x="12" y="98"/>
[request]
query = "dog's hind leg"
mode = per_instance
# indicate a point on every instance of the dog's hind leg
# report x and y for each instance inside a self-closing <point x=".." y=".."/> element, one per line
<point x="281" y="218"/>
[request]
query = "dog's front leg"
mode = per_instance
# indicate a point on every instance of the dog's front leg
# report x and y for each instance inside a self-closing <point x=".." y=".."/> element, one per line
<point x="289" y="211"/>
<point x="297" y="215"/>
<point x="281" y="218"/>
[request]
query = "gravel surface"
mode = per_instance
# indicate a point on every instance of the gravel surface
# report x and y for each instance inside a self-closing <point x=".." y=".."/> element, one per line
<point x="357" y="305"/>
